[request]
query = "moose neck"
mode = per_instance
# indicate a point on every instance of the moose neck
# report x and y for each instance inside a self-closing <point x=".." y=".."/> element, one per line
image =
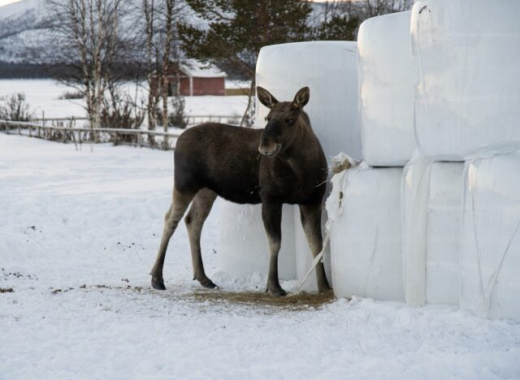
<point x="303" y="147"/>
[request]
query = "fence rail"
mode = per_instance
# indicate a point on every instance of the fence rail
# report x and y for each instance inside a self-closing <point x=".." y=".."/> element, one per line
<point x="190" y="119"/>
<point x="80" y="135"/>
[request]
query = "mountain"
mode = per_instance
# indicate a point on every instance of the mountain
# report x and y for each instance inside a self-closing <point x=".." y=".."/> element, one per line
<point x="23" y="33"/>
<point x="25" y="37"/>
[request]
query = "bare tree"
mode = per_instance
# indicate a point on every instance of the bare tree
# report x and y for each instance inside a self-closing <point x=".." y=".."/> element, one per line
<point x="163" y="86"/>
<point x="149" y="11"/>
<point x="161" y="46"/>
<point x="89" y="45"/>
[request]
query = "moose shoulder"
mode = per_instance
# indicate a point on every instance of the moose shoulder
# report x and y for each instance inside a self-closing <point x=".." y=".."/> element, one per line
<point x="283" y="163"/>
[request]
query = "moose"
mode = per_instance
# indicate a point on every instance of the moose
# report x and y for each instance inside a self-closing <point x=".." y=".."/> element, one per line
<point x="282" y="163"/>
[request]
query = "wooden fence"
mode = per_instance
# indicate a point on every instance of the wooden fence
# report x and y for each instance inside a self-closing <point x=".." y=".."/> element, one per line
<point x="190" y="120"/>
<point x="139" y="137"/>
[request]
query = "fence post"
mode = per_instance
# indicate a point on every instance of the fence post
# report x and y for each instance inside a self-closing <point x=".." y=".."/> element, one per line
<point x="140" y="140"/>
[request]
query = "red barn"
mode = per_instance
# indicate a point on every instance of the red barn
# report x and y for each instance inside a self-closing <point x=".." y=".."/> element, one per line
<point x="194" y="78"/>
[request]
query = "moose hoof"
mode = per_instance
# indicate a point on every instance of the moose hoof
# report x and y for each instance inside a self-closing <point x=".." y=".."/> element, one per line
<point x="158" y="284"/>
<point x="277" y="292"/>
<point x="207" y="283"/>
<point x="324" y="289"/>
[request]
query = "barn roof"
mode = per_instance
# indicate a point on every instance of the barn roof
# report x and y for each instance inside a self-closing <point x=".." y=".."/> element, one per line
<point x="197" y="69"/>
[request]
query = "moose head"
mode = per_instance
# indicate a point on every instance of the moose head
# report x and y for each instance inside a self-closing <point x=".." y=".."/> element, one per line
<point x="282" y="120"/>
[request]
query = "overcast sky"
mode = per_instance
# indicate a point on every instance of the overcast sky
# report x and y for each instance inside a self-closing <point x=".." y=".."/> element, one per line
<point x="5" y="2"/>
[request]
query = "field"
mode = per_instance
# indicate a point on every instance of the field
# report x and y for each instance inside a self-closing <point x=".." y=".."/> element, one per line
<point x="79" y="230"/>
<point x="43" y="97"/>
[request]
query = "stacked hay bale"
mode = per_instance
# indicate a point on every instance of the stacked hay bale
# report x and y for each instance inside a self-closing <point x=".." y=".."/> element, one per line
<point x="460" y="202"/>
<point x="467" y="110"/>
<point x="366" y="241"/>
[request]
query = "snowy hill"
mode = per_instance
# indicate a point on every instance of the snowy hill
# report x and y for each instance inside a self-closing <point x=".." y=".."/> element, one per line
<point x="22" y="31"/>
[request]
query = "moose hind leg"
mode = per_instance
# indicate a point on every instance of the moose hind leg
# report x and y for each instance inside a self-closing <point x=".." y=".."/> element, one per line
<point x="311" y="221"/>
<point x="180" y="203"/>
<point x="195" y="219"/>
<point x="272" y="217"/>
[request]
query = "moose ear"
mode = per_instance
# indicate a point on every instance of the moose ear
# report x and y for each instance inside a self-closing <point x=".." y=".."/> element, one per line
<point x="302" y="97"/>
<point x="265" y="97"/>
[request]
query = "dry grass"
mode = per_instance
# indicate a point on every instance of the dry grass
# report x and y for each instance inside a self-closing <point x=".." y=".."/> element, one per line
<point x="207" y="298"/>
<point x="293" y="302"/>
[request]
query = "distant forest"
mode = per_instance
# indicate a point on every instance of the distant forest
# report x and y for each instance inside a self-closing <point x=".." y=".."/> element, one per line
<point x="22" y="71"/>
<point x="9" y="70"/>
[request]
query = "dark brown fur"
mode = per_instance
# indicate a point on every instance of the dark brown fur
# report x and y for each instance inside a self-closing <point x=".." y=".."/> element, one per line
<point x="283" y="163"/>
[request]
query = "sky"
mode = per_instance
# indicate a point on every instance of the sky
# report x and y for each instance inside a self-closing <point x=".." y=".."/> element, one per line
<point x="5" y="2"/>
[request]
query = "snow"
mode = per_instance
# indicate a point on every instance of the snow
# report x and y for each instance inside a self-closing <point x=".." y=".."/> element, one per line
<point x="198" y="69"/>
<point x="42" y="95"/>
<point x="21" y="8"/>
<point x="88" y="222"/>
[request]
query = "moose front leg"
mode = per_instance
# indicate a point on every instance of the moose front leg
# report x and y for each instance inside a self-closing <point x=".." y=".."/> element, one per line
<point x="272" y="217"/>
<point x="311" y="222"/>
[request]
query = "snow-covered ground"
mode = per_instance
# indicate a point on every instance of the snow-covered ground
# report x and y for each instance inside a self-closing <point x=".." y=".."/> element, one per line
<point x="43" y="96"/>
<point x="78" y="236"/>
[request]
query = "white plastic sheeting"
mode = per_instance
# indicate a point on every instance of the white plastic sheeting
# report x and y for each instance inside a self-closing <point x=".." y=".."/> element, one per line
<point x="467" y="55"/>
<point x="365" y="240"/>
<point x="490" y="255"/>
<point x="432" y="205"/>
<point x="242" y="241"/>
<point x="386" y="90"/>
<point x="329" y="69"/>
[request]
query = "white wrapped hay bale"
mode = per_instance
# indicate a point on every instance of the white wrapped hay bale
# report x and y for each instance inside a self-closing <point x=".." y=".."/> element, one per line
<point x="242" y="241"/>
<point x="490" y="254"/>
<point x="432" y="209"/>
<point x="386" y="90"/>
<point x="466" y="91"/>
<point x="304" y="257"/>
<point x="329" y="69"/>
<point x="365" y="239"/>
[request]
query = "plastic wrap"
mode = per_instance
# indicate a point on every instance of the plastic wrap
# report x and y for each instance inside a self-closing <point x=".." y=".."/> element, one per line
<point x="490" y="254"/>
<point x="432" y="209"/>
<point x="329" y="69"/>
<point x="386" y="90"/>
<point x="467" y="58"/>
<point x="242" y="241"/>
<point x="365" y="239"/>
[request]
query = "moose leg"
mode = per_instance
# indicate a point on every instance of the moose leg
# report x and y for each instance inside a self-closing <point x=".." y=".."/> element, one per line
<point x="199" y="211"/>
<point x="272" y="217"/>
<point x="311" y="221"/>
<point x="179" y="205"/>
